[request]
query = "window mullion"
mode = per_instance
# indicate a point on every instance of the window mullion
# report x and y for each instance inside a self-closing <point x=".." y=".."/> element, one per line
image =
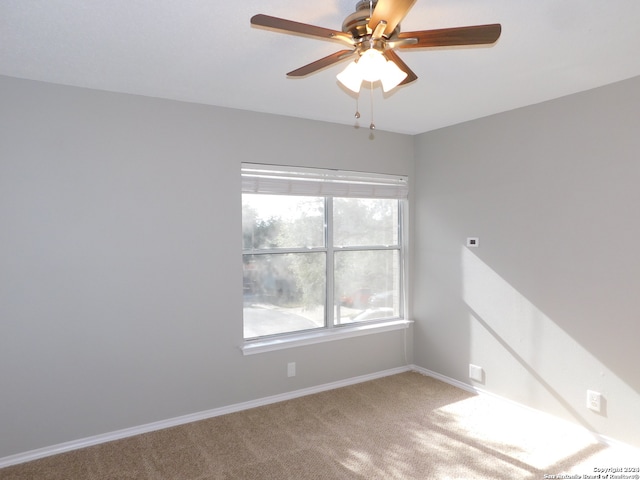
<point x="404" y="254"/>
<point x="330" y="300"/>
<point x="359" y="248"/>
<point x="271" y="251"/>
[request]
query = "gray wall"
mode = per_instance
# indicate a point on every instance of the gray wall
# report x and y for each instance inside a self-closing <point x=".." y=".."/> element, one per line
<point x="120" y="259"/>
<point x="120" y="265"/>
<point x="549" y="303"/>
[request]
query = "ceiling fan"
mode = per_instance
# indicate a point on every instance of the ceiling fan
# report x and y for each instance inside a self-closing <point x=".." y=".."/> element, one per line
<point x="373" y="34"/>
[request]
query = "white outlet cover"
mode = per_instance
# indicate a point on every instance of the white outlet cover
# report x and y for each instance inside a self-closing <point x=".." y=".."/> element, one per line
<point x="475" y="373"/>
<point x="594" y="401"/>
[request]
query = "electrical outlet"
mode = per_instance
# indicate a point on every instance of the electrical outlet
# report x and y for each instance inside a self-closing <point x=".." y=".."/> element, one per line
<point x="594" y="401"/>
<point x="476" y="373"/>
<point x="291" y="369"/>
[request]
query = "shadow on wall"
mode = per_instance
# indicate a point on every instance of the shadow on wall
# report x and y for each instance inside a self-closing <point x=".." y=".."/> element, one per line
<point x="500" y="316"/>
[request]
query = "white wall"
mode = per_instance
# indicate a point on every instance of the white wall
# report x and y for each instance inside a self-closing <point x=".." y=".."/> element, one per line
<point x="120" y="259"/>
<point x="549" y="303"/>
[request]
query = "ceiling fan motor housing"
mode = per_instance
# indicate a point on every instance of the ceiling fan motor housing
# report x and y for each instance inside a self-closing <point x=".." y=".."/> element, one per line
<point x="357" y="23"/>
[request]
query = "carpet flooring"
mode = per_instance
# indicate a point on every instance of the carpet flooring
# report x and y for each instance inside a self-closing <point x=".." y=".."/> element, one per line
<point x="405" y="426"/>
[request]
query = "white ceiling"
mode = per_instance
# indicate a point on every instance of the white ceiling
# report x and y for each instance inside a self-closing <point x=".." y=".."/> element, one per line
<point x="205" y="51"/>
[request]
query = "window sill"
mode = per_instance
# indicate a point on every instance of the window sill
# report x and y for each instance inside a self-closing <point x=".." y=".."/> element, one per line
<point x="252" y="347"/>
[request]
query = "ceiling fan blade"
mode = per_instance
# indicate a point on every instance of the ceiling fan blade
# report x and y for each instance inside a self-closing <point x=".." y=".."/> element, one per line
<point x="322" y="63"/>
<point x="390" y="11"/>
<point x="393" y="56"/>
<point x="446" y="37"/>
<point x="289" y="26"/>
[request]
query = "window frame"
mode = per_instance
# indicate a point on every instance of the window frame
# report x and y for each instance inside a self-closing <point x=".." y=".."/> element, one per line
<point x="330" y="184"/>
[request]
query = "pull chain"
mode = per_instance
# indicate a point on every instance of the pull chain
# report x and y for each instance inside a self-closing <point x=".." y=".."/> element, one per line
<point x="372" y="126"/>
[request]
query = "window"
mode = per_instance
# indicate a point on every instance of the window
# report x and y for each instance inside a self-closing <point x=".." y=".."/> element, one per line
<point x="321" y="249"/>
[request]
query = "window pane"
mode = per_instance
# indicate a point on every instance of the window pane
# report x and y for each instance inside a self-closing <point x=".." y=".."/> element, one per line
<point x="283" y="293"/>
<point x="278" y="221"/>
<point x="365" y="221"/>
<point x="367" y="285"/>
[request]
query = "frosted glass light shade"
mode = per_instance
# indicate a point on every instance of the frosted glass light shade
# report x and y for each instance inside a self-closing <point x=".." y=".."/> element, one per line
<point x="351" y="77"/>
<point x="372" y="64"/>
<point x="391" y="76"/>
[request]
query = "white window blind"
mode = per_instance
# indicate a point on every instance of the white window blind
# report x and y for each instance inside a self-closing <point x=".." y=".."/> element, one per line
<point x="279" y="180"/>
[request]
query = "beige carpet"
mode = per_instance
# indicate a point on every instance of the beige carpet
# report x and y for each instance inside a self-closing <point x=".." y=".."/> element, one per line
<point x="405" y="426"/>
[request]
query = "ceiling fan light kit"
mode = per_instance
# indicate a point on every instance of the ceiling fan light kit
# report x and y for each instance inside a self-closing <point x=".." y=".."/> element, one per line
<point x="371" y="67"/>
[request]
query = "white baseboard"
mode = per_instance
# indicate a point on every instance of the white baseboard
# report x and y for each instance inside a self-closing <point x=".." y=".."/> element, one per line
<point x="194" y="417"/>
<point x="603" y="439"/>
<point x="445" y="379"/>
